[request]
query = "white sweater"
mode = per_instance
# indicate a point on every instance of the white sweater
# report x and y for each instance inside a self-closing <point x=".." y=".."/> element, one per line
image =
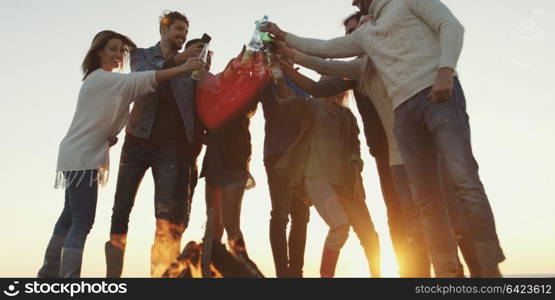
<point x="358" y="70"/>
<point x="102" y="111"/>
<point x="408" y="42"/>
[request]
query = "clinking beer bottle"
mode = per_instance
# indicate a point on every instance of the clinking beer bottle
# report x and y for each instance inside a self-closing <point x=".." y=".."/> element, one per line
<point x="275" y="70"/>
<point x="258" y="39"/>
<point x="198" y="74"/>
<point x="264" y="36"/>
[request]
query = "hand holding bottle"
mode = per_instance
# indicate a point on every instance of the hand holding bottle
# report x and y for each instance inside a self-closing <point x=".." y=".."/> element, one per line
<point x="274" y="30"/>
<point x="193" y="63"/>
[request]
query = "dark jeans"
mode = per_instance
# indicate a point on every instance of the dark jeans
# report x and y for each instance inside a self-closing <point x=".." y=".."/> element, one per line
<point x="460" y="224"/>
<point x="175" y="178"/>
<point x="77" y="218"/>
<point x="425" y="130"/>
<point x="288" y="256"/>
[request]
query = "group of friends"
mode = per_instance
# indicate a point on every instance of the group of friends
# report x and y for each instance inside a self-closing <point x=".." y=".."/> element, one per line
<point x="412" y="106"/>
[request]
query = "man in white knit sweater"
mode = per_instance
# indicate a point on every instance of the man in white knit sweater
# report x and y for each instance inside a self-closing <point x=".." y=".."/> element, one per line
<point x="414" y="46"/>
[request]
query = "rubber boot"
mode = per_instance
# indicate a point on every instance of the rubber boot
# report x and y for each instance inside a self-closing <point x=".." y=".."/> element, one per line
<point x="329" y="262"/>
<point x="70" y="263"/>
<point x="114" y="260"/>
<point x="51" y="265"/>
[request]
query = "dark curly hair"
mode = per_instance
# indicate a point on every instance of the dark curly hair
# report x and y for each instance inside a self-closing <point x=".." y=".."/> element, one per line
<point x="169" y="17"/>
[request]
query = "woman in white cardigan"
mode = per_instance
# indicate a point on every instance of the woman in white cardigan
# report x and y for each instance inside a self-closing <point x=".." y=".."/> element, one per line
<point x="83" y="158"/>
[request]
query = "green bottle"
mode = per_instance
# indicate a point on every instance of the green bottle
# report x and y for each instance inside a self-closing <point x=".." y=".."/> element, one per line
<point x="264" y="36"/>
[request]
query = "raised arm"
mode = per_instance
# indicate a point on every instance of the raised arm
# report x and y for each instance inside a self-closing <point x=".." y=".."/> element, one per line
<point x="332" y="86"/>
<point x="326" y="87"/>
<point x="345" y="46"/>
<point x="305" y="83"/>
<point x="190" y="65"/>
<point x="350" y="69"/>
<point x="139" y="61"/>
<point x="136" y="84"/>
<point x="288" y="102"/>
<point x="340" y="47"/>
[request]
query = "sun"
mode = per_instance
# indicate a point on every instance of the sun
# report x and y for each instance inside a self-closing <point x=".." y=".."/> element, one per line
<point x="352" y="262"/>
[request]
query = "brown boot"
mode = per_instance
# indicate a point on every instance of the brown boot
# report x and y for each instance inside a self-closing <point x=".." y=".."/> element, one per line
<point x="114" y="260"/>
<point x="329" y="262"/>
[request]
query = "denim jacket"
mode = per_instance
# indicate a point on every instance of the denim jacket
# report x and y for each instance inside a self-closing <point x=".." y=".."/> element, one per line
<point x="144" y="110"/>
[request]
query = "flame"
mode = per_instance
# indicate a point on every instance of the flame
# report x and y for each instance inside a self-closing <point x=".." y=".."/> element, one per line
<point x="166" y="247"/>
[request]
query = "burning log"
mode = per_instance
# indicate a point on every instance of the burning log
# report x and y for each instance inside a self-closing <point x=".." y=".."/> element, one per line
<point x="223" y="264"/>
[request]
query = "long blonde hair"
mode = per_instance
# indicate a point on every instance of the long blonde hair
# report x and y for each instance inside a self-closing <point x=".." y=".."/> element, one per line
<point x="91" y="62"/>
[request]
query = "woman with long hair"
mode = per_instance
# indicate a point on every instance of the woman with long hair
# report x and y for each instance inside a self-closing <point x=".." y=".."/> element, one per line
<point x="324" y="163"/>
<point x="226" y="170"/>
<point x="83" y="158"/>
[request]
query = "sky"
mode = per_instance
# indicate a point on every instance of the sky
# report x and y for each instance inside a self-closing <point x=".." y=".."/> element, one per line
<point x="506" y="69"/>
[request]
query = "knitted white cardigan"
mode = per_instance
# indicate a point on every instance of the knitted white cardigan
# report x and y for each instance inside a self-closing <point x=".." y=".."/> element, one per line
<point x="408" y="41"/>
<point x="102" y="111"/>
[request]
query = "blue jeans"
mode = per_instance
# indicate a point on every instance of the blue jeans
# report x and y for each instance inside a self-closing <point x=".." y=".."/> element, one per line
<point x="425" y="130"/>
<point x="175" y="178"/>
<point x="77" y="218"/>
